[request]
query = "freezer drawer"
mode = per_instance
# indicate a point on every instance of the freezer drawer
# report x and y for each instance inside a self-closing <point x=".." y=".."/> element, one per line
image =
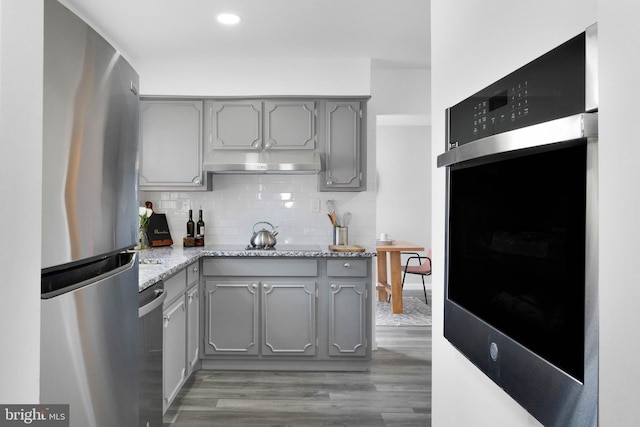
<point x="89" y="349"/>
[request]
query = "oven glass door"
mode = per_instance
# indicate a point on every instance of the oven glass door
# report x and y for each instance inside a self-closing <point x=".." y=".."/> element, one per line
<point x="517" y="249"/>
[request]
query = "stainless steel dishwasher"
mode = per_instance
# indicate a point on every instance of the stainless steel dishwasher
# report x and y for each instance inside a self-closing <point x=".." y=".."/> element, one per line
<point x="150" y="354"/>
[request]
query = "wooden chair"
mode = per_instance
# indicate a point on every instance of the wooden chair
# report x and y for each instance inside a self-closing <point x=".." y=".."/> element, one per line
<point x="421" y="267"/>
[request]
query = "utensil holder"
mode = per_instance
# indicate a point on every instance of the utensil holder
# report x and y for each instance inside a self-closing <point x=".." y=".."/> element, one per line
<point x="340" y="235"/>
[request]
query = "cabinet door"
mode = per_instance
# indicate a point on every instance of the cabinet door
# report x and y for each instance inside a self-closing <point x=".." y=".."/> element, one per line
<point x="236" y="125"/>
<point x="193" y="273"/>
<point x="347" y="319"/>
<point x="231" y="325"/>
<point x="193" y="322"/>
<point x="174" y="356"/>
<point x="289" y="125"/>
<point x="289" y="313"/>
<point x="342" y="149"/>
<point x="170" y="152"/>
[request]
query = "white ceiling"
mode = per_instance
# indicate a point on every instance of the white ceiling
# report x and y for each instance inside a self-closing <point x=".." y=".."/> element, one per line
<point x="393" y="33"/>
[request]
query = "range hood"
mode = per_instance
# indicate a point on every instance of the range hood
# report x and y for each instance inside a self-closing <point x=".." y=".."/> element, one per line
<point x="259" y="162"/>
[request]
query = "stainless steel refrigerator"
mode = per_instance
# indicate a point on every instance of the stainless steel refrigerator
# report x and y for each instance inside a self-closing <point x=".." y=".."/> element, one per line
<point x="89" y="305"/>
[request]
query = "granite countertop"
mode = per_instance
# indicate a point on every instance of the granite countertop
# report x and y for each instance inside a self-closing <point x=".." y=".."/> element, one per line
<point x="160" y="263"/>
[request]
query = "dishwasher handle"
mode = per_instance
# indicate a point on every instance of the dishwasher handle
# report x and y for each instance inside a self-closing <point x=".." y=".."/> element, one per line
<point x="155" y="303"/>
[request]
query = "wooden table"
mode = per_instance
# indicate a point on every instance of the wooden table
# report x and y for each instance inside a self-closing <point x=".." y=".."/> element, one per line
<point x="395" y="288"/>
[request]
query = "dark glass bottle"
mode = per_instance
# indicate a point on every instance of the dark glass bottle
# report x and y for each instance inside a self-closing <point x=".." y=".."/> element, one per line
<point x="200" y="225"/>
<point x="190" y="225"/>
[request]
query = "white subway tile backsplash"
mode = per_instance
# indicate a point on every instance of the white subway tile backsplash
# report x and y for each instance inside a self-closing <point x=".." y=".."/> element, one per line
<point x="239" y="201"/>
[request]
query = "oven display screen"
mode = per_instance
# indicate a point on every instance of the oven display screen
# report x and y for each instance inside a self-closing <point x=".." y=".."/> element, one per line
<point x="499" y="100"/>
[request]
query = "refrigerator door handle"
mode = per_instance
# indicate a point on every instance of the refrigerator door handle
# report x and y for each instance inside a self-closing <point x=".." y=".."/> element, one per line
<point x="59" y="282"/>
<point x="157" y="302"/>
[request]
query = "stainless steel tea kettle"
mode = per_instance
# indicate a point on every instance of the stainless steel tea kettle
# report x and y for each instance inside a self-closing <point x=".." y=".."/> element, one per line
<point x="263" y="238"/>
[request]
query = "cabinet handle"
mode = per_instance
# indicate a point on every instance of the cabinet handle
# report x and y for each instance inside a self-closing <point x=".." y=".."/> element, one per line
<point x="195" y="269"/>
<point x="329" y="182"/>
<point x="167" y="319"/>
<point x="265" y="286"/>
<point x="333" y="286"/>
<point x="197" y="181"/>
<point x="347" y="265"/>
<point x="268" y="145"/>
<point x="254" y="286"/>
<point x="257" y="144"/>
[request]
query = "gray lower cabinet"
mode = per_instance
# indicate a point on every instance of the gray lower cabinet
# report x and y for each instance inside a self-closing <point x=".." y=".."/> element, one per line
<point x="286" y="313"/>
<point x="234" y="325"/>
<point x="171" y="145"/>
<point x="231" y="322"/>
<point x="181" y="331"/>
<point x="348" y="304"/>
<point x="288" y="318"/>
<point x="347" y="318"/>
<point x="174" y="361"/>
<point x="193" y="327"/>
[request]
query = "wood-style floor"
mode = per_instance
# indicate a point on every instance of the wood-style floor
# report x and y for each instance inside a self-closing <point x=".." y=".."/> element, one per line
<point x="396" y="392"/>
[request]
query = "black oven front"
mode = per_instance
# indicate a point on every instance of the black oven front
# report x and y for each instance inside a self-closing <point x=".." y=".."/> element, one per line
<point x="521" y="233"/>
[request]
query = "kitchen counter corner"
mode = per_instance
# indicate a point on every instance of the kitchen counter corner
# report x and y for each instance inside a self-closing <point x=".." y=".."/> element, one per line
<point x="161" y="263"/>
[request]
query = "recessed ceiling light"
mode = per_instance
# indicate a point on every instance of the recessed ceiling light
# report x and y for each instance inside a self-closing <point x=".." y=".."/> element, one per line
<point x="228" y="18"/>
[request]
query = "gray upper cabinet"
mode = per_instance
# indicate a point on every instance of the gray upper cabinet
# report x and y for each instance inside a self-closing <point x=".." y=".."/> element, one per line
<point x="262" y="125"/>
<point x="290" y="125"/>
<point x="172" y="137"/>
<point x="171" y="145"/>
<point x="236" y="125"/>
<point x="342" y="146"/>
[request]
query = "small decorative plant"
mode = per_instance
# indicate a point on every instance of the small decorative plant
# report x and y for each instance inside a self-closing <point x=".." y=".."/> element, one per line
<point x="145" y="214"/>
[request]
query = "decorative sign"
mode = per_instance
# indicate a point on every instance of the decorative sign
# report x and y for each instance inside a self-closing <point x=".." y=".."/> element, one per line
<point x="158" y="231"/>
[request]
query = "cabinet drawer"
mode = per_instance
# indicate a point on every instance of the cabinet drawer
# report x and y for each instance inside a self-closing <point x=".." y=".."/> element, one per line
<point x="193" y="271"/>
<point x="175" y="285"/>
<point x="347" y="268"/>
<point x="244" y="266"/>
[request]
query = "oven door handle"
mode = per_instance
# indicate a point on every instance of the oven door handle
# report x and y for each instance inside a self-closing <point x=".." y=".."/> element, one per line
<point x="161" y="295"/>
<point x="542" y="136"/>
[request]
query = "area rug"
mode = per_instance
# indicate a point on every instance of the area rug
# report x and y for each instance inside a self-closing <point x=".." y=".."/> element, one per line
<point x="415" y="313"/>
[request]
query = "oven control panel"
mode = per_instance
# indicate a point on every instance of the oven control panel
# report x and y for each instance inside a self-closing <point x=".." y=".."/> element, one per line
<point x="507" y="105"/>
<point x="548" y="88"/>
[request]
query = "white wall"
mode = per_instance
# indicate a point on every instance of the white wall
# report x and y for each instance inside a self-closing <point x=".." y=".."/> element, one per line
<point x="21" y="64"/>
<point x="619" y="156"/>
<point x="403" y="149"/>
<point x="254" y="76"/>
<point x="403" y="200"/>
<point x="475" y="43"/>
<point x="402" y="92"/>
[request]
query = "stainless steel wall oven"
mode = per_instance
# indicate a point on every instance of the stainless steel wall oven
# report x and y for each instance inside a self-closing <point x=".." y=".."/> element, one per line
<point x="521" y="299"/>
